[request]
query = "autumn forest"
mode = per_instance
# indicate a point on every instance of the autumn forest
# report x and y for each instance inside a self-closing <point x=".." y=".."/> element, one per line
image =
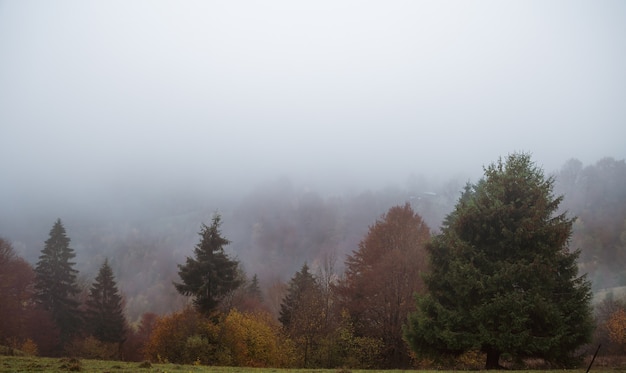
<point x="522" y="265"/>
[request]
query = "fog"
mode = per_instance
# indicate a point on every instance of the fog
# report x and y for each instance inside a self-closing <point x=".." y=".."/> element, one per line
<point x="110" y="108"/>
<point x="222" y="94"/>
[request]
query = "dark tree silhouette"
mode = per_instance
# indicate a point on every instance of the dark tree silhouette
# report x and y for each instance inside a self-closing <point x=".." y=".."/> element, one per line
<point x="104" y="313"/>
<point x="55" y="283"/>
<point x="302" y="312"/>
<point x="502" y="278"/>
<point x="596" y="194"/>
<point x="253" y="289"/>
<point x="211" y="274"/>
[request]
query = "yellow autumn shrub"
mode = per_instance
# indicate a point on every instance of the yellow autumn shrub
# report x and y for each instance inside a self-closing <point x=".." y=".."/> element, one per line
<point x="253" y="339"/>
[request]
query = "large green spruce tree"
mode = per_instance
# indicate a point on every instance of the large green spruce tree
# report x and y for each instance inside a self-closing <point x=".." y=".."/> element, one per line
<point x="56" y="288"/>
<point x="502" y="278"/>
<point x="104" y="313"/>
<point x="211" y="274"/>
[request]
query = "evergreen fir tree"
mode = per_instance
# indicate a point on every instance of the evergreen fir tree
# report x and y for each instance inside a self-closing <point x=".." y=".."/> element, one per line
<point x="55" y="283"/>
<point x="302" y="314"/>
<point x="253" y="289"/>
<point x="211" y="275"/>
<point x="104" y="308"/>
<point x="502" y="278"/>
<point x="301" y="287"/>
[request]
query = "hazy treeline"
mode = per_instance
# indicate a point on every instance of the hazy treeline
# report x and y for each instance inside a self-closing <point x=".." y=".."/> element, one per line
<point x="273" y="230"/>
<point x="280" y="225"/>
<point x="596" y="195"/>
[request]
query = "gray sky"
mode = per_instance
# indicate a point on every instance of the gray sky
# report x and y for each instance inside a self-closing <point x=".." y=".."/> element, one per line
<point x="161" y="93"/>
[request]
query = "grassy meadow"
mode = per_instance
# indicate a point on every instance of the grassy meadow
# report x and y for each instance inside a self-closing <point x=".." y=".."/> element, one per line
<point x="53" y="365"/>
<point x="49" y="365"/>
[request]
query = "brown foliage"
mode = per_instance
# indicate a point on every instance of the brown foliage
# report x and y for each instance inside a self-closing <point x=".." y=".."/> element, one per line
<point x="20" y="320"/>
<point x="616" y="325"/>
<point x="383" y="276"/>
<point x="307" y="325"/>
<point x="607" y="319"/>
<point x="168" y="340"/>
<point x="236" y="339"/>
<point x="43" y="331"/>
<point x="275" y="294"/>
<point x="134" y="347"/>
<point x="16" y="290"/>
<point x="29" y="347"/>
<point x="303" y="314"/>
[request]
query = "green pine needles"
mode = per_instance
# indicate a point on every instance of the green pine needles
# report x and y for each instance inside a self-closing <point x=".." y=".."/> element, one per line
<point x="56" y="289"/>
<point x="502" y="279"/>
<point x="211" y="274"/>
<point x="104" y="312"/>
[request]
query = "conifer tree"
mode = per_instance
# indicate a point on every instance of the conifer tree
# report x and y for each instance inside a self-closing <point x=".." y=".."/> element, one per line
<point x="55" y="283"/>
<point x="502" y="278"/>
<point x="211" y="274"/>
<point x="301" y="287"/>
<point x="104" y="313"/>
<point x="253" y="289"/>
<point x="302" y="312"/>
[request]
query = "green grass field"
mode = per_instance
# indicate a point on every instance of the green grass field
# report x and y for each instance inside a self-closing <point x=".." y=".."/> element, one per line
<point x="49" y="365"/>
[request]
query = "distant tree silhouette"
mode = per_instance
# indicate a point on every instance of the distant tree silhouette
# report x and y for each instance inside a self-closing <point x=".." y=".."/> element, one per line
<point x="104" y="312"/>
<point x="248" y="298"/>
<point x="211" y="274"/>
<point x="55" y="283"/>
<point x="597" y="196"/>
<point x="253" y="289"/>
<point x="302" y="312"/>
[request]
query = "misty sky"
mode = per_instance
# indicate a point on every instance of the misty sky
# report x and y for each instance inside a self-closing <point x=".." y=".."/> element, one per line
<point x="156" y="94"/>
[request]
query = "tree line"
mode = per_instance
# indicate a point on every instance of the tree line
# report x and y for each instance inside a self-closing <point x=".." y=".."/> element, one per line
<point x="44" y="309"/>
<point x="496" y="285"/>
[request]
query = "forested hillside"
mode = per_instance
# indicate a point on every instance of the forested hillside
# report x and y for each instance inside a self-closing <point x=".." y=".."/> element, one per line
<point x="273" y="230"/>
<point x="278" y="227"/>
<point x="596" y="194"/>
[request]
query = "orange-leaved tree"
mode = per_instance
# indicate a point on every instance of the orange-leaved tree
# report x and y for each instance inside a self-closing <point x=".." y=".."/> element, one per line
<point x="616" y="325"/>
<point x="182" y="337"/>
<point x="381" y="278"/>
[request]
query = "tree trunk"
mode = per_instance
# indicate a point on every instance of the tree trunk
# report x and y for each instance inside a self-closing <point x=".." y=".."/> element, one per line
<point x="493" y="359"/>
